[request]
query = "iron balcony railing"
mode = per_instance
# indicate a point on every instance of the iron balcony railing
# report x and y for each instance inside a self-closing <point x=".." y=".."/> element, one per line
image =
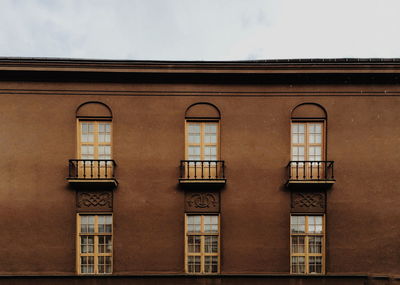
<point x="310" y="170"/>
<point x="91" y="169"/>
<point x="202" y="170"/>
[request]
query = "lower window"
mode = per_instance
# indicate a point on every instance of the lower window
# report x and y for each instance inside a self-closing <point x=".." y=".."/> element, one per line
<point x="94" y="243"/>
<point x="307" y="240"/>
<point x="202" y="244"/>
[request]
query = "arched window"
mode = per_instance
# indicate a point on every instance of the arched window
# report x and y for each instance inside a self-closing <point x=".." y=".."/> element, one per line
<point x="202" y="132"/>
<point x="308" y="144"/>
<point x="202" y="145"/>
<point x="94" y="145"/>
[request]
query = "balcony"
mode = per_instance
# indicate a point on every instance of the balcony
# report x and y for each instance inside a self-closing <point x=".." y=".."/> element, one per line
<point x="202" y="171"/>
<point x="310" y="172"/>
<point x="92" y="172"/>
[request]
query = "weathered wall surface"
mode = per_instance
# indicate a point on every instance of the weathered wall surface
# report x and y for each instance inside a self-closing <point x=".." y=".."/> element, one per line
<point x="37" y="207"/>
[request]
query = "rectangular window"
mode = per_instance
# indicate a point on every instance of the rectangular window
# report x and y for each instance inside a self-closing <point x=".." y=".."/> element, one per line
<point x="202" y="140"/>
<point x="202" y="244"/>
<point x="307" y="150"/>
<point x="94" y="243"/>
<point x="307" y="240"/>
<point x="94" y="149"/>
<point x="307" y="141"/>
<point x="202" y="150"/>
<point x="94" y="140"/>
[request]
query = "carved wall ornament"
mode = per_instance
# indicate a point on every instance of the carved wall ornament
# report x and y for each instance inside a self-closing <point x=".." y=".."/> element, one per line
<point x="202" y="202"/>
<point x="308" y="202"/>
<point x="94" y="200"/>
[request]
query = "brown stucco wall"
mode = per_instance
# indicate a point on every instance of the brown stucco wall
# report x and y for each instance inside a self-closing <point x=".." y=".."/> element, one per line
<point x="38" y="136"/>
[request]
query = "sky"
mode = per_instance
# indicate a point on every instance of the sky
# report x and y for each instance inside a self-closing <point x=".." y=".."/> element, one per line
<point x="215" y="30"/>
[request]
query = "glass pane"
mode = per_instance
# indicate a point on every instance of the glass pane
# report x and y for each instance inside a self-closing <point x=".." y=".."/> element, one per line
<point x="315" y="244"/>
<point x="298" y="245"/>
<point x="194" y="223"/>
<point x="87" y="244"/>
<point x="315" y="264"/>
<point x="194" y="153"/>
<point x="297" y="224"/>
<point x="194" y="128"/>
<point x="87" y="132"/>
<point x="210" y="135"/>
<point x="298" y="264"/>
<point x="194" y="138"/>
<point x="315" y="224"/>
<point x="194" y="264"/>
<point x="105" y="244"/>
<point x="211" y="128"/>
<point x="87" y="224"/>
<point x="211" y="244"/>
<point x="210" y="264"/>
<point x="211" y="224"/>
<point x="194" y="244"/>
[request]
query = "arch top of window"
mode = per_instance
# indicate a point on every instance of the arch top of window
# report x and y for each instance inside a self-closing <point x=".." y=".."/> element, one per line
<point x="202" y="111"/>
<point x="94" y="110"/>
<point x="309" y="111"/>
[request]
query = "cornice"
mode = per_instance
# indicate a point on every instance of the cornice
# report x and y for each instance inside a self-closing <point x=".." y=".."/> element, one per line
<point x="291" y="66"/>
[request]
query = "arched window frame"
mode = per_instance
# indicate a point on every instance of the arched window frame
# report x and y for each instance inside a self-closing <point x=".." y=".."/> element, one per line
<point x="203" y="120"/>
<point x="308" y="145"/>
<point x="307" y="120"/>
<point x="103" y="116"/>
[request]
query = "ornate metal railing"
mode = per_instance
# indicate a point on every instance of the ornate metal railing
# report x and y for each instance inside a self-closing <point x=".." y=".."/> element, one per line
<point x="91" y="169"/>
<point x="202" y="170"/>
<point x="310" y="171"/>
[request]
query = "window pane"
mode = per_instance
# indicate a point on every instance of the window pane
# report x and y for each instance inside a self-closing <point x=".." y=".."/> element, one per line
<point x="211" y="128"/>
<point x="108" y="264"/>
<point x="315" y="244"/>
<point x="87" y="244"/>
<point x="194" y="128"/>
<point x="211" y="244"/>
<point x="210" y="133"/>
<point x="298" y="245"/>
<point x="104" y="223"/>
<point x="315" y="264"/>
<point x="194" y="138"/>
<point x="211" y="264"/>
<point x="297" y="224"/>
<point x="211" y="224"/>
<point x="298" y="264"/>
<point x="194" y="264"/>
<point x="210" y="153"/>
<point x="87" y="224"/>
<point x="315" y="224"/>
<point x="194" y="244"/>
<point x="194" y="223"/>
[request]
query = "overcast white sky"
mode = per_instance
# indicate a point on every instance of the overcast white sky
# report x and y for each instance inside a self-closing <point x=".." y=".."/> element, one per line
<point x="199" y="29"/>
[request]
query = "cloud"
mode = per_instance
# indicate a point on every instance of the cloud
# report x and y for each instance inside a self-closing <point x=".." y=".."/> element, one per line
<point x="199" y="30"/>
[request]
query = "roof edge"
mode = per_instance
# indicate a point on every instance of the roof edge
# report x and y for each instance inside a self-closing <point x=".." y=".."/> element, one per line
<point x="267" y="66"/>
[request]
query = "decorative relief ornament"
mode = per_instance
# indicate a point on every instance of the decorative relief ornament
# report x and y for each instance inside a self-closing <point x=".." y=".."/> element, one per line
<point x="202" y="202"/>
<point x="312" y="202"/>
<point x="94" y="200"/>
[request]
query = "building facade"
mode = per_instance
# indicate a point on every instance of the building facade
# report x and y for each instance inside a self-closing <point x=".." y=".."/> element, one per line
<point x="263" y="172"/>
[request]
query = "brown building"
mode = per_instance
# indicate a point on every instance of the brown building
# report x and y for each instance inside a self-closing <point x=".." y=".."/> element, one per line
<point x="253" y="172"/>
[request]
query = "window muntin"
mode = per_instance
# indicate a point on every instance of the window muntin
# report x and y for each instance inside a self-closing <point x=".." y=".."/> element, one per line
<point x="202" y="140"/>
<point x="307" y="240"/>
<point x="95" y="245"/>
<point x="202" y="244"/>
